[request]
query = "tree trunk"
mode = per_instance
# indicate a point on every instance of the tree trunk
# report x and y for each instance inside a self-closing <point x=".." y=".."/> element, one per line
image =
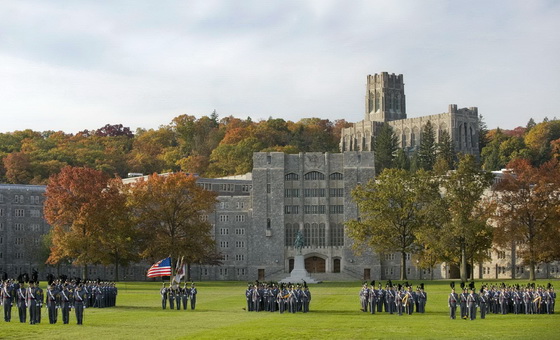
<point x="84" y="272"/>
<point x="463" y="262"/>
<point x="403" y="266"/>
<point x="532" y="271"/>
<point x="188" y="273"/>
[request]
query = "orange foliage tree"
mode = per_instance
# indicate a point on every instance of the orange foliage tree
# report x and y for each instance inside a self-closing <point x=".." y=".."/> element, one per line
<point x="526" y="212"/>
<point x="169" y="212"/>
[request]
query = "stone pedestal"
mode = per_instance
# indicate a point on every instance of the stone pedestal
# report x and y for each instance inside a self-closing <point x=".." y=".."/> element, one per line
<point x="299" y="274"/>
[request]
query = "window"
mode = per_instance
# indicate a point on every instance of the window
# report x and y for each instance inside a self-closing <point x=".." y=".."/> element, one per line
<point x="224" y="244"/>
<point x="35" y="213"/>
<point x="291" y="231"/>
<point x="240" y="244"/>
<point x="336" y="192"/>
<point x="225" y="257"/>
<point x="227" y="187"/>
<point x="241" y="271"/>
<point x="18" y="199"/>
<point x="1" y="226"/>
<point x="291" y="177"/>
<point x="224" y="218"/>
<point x="335" y="176"/>
<point x="268" y="188"/>
<point x="35" y="199"/>
<point x="291" y="193"/>
<point x="337" y="235"/>
<point x="314" y="176"/>
<point x="1" y="212"/>
<point x="389" y="257"/>
<point x="314" y="192"/>
<point x="314" y="234"/>
<point x="203" y="218"/>
<point x="19" y="240"/>
<point x="205" y="271"/>
<point x="18" y="227"/>
<point x="19" y="212"/>
<point x="1" y="198"/>
<point x="240" y="257"/>
<point x="314" y="209"/>
<point x="291" y="209"/>
<point x="205" y="186"/>
<point x="246" y="188"/>
<point x="240" y="218"/>
<point x="336" y="209"/>
<point x="223" y="205"/>
<point x="240" y="205"/>
<point x="501" y="255"/>
<point x="224" y="231"/>
<point x="239" y="231"/>
<point x="223" y="271"/>
<point x="35" y="227"/>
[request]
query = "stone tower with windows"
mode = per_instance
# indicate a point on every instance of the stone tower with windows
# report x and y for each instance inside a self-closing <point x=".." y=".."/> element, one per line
<point x="385" y="100"/>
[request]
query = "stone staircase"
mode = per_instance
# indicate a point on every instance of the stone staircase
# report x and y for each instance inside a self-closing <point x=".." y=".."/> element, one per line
<point x="318" y="277"/>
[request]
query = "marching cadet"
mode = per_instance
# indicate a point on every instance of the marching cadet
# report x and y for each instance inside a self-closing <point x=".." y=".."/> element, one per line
<point x="483" y="302"/>
<point x="422" y="299"/>
<point x="399" y="300"/>
<point x="163" y="293"/>
<point x="390" y="298"/>
<point x="178" y="297"/>
<point x="305" y="298"/>
<point x="527" y="298"/>
<point x="248" y="297"/>
<point x="7" y="297"/>
<point x="372" y="298"/>
<point x="39" y="295"/>
<point x="255" y="299"/>
<point x="380" y="298"/>
<point x="31" y="302"/>
<point x="171" y="295"/>
<point x="463" y="301"/>
<point x="273" y="293"/>
<point x="292" y="300"/>
<point x="452" y="301"/>
<point x="21" y="302"/>
<point x="52" y="303"/>
<point x="472" y="300"/>
<point x="185" y="295"/>
<point x="192" y="295"/>
<point x="409" y="300"/>
<point x="364" y="298"/>
<point x="66" y="296"/>
<point x="80" y="297"/>
<point x="281" y="298"/>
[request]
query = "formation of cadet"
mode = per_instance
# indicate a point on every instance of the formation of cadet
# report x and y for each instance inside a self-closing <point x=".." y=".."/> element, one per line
<point x="178" y="296"/>
<point x="399" y="299"/>
<point x="61" y="296"/>
<point x="271" y="297"/>
<point x="501" y="300"/>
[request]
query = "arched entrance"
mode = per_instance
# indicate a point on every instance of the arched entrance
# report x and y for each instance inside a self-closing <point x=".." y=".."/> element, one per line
<point x="315" y="264"/>
<point x="336" y="266"/>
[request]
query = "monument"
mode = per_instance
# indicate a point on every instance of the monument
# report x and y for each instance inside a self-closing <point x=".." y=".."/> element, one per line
<point x="299" y="274"/>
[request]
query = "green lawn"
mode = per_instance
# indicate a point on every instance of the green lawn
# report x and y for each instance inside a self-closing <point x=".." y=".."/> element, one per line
<point x="334" y="314"/>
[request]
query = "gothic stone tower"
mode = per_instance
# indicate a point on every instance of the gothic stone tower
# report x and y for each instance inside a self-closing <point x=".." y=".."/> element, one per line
<point x="385" y="100"/>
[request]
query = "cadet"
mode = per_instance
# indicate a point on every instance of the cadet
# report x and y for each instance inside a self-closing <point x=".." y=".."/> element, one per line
<point x="178" y="297"/>
<point x="372" y="298"/>
<point x="163" y="293"/>
<point x="452" y="301"/>
<point x="364" y="298"/>
<point x="306" y="298"/>
<point x="422" y="299"/>
<point x="79" y="299"/>
<point x="463" y="301"/>
<point x="52" y="303"/>
<point x="65" y="302"/>
<point x="483" y="302"/>
<point x="192" y="294"/>
<point x="31" y="302"/>
<point x="7" y="295"/>
<point x="21" y="302"/>
<point x="472" y="300"/>
<point x="171" y="295"/>
<point x="185" y="296"/>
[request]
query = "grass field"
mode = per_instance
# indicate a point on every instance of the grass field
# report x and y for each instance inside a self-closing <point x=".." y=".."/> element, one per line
<point x="334" y="314"/>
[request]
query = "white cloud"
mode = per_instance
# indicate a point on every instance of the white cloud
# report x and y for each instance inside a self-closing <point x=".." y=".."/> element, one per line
<point x="82" y="64"/>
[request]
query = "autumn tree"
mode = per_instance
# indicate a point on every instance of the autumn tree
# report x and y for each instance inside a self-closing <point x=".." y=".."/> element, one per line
<point x="526" y="213"/>
<point x="467" y="228"/>
<point x="168" y="211"/>
<point x="393" y="208"/>
<point x="18" y="168"/>
<point x="77" y="210"/>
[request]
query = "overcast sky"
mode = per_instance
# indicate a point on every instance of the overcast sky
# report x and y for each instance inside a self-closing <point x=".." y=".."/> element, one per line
<point x="75" y="65"/>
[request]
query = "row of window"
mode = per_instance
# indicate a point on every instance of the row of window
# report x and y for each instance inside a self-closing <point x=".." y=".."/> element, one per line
<point x="392" y="256"/>
<point x="21" y="212"/>
<point x="315" y="192"/>
<point x="238" y="244"/>
<point x="314" y="234"/>
<point x="225" y="218"/>
<point x="238" y="231"/>
<point x="225" y="186"/>
<point x="20" y="199"/>
<point x="314" y="176"/>
<point x="225" y="205"/>
<point x="224" y="271"/>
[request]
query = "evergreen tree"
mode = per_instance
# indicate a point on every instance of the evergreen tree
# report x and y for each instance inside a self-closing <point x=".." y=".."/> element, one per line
<point x="427" y="149"/>
<point x="401" y="160"/>
<point x="530" y="124"/>
<point x="385" y="148"/>
<point x="445" y="149"/>
<point x="482" y="133"/>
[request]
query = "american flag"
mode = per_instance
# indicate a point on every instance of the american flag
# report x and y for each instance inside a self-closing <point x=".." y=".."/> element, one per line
<point x="161" y="268"/>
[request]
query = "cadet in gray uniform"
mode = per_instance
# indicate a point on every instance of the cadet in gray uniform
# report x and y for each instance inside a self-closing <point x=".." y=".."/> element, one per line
<point x="163" y="293"/>
<point x="79" y="299"/>
<point x="7" y="295"/>
<point x="472" y="301"/>
<point x="452" y="301"/>
<point x="192" y="294"/>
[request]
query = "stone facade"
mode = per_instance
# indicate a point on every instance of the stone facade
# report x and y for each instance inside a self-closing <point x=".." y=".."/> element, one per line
<point x="385" y="104"/>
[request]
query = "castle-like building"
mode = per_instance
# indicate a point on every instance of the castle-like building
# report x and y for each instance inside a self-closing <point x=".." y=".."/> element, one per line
<point x="258" y="214"/>
<point x="385" y="104"/>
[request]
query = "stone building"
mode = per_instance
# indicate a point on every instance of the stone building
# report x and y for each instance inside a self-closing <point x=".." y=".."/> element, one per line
<point x="385" y="104"/>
